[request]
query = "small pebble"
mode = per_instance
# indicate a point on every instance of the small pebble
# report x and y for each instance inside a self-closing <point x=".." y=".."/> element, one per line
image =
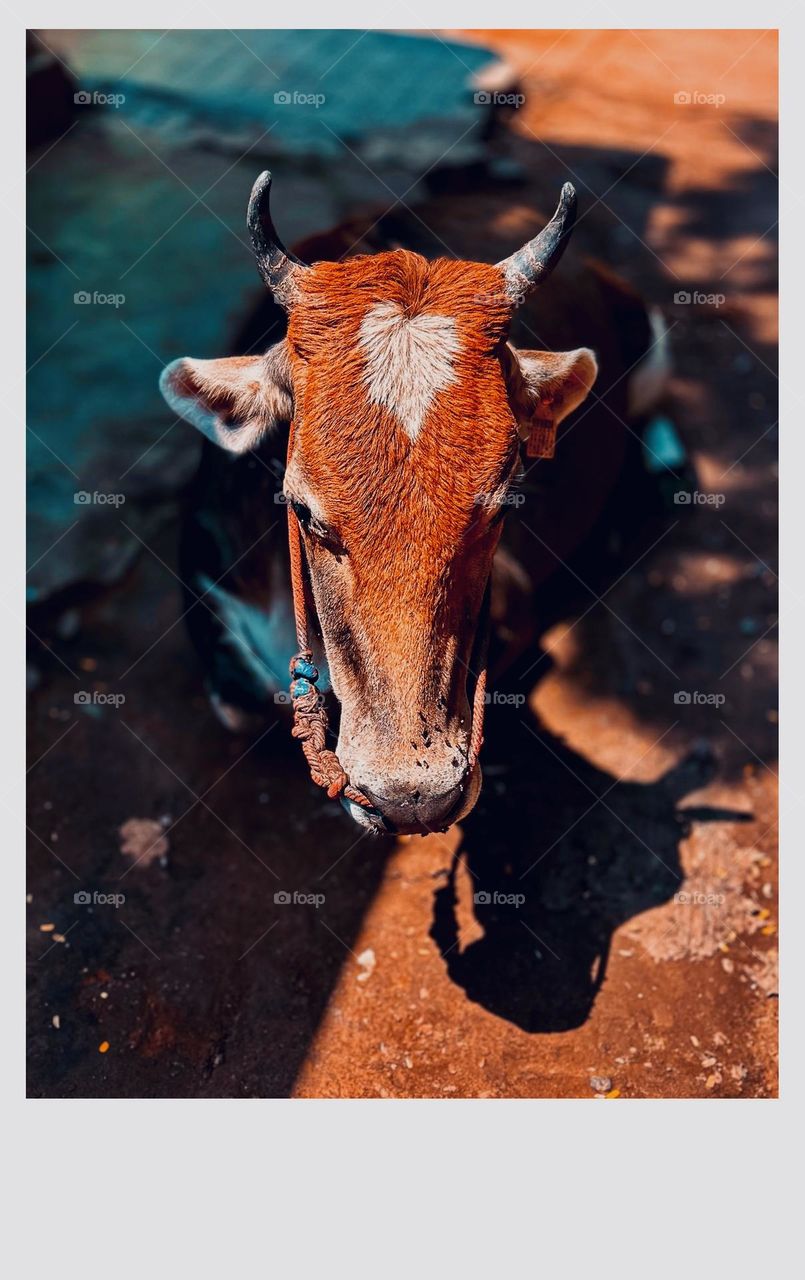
<point x="600" y="1084"/>
<point x="367" y="962"/>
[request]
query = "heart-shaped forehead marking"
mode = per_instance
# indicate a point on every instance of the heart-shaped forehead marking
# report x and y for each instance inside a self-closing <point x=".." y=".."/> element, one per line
<point x="408" y="360"/>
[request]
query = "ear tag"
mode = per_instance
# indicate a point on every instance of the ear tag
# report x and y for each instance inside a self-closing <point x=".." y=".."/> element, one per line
<point x="541" y="438"/>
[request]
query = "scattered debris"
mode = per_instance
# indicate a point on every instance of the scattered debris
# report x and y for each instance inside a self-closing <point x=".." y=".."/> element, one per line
<point x="367" y="962"/>
<point x="600" y="1084"/>
<point x="144" y="841"/>
<point x="55" y="1021"/>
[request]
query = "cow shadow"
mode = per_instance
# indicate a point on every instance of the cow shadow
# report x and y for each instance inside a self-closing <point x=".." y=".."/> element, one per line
<point x="555" y="857"/>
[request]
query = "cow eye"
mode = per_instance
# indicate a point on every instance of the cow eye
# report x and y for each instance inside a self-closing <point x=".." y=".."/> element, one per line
<point x="315" y="528"/>
<point x="302" y="513"/>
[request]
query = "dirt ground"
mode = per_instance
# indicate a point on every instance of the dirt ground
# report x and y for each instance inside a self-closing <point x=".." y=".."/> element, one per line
<point x="641" y="961"/>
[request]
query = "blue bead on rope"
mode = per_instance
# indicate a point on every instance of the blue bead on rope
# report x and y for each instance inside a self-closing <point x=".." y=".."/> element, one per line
<point x="300" y="687"/>
<point x="302" y="667"/>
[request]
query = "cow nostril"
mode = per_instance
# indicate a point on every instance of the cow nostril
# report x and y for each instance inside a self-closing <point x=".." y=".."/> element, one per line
<point x="416" y="796"/>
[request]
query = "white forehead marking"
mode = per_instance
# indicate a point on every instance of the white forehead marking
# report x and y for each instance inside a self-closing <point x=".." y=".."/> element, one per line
<point x="408" y="360"/>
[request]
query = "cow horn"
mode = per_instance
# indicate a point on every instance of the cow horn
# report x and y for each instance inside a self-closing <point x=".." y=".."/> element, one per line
<point x="279" y="268"/>
<point x="532" y="264"/>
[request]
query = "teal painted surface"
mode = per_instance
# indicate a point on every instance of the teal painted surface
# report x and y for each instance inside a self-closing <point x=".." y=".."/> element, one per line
<point x="300" y="84"/>
<point x="141" y="208"/>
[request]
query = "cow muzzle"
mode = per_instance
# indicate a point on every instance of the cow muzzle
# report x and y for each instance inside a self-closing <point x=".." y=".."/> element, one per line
<point x="406" y="805"/>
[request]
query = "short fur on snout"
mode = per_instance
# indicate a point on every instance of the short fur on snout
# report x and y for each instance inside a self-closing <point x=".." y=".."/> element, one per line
<point x="408" y="411"/>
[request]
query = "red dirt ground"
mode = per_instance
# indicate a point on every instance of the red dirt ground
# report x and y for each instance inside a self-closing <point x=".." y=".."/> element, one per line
<point x="398" y="985"/>
<point x="685" y="1006"/>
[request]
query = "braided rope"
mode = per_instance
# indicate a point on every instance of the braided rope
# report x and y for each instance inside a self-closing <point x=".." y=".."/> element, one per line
<point x="309" y="710"/>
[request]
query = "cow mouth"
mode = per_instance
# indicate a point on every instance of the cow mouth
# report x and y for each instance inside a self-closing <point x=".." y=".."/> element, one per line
<point x="375" y="822"/>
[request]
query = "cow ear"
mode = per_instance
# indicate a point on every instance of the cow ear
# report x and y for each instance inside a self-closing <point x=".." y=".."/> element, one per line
<point x="235" y="401"/>
<point x="544" y="387"/>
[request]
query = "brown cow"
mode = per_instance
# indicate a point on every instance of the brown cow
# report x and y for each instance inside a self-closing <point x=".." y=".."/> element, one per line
<point x="409" y="411"/>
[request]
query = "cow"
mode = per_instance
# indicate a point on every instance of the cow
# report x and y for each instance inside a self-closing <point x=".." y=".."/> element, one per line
<point x="406" y="415"/>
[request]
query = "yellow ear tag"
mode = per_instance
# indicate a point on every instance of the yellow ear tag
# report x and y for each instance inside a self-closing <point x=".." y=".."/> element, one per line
<point x="541" y="439"/>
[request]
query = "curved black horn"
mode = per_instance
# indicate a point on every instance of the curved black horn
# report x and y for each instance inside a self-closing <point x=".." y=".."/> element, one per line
<point x="279" y="268"/>
<point x="532" y="264"/>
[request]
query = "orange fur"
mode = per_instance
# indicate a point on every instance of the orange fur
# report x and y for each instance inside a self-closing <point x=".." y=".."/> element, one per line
<point x="407" y="409"/>
<point x="406" y="511"/>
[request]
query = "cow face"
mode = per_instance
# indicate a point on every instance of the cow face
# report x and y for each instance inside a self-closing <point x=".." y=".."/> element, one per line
<point x="407" y="409"/>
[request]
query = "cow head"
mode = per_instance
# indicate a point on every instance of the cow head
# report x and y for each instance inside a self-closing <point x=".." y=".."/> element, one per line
<point x="408" y="407"/>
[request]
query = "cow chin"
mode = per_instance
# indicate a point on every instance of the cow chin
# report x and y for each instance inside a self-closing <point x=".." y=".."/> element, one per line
<point x="372" y="819"/>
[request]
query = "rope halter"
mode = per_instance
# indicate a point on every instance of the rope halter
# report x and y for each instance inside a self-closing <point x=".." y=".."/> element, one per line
<point x="309" y="711"/>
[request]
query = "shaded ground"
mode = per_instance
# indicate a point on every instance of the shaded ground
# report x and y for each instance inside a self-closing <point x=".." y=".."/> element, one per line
<point x="639" y="832"/>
